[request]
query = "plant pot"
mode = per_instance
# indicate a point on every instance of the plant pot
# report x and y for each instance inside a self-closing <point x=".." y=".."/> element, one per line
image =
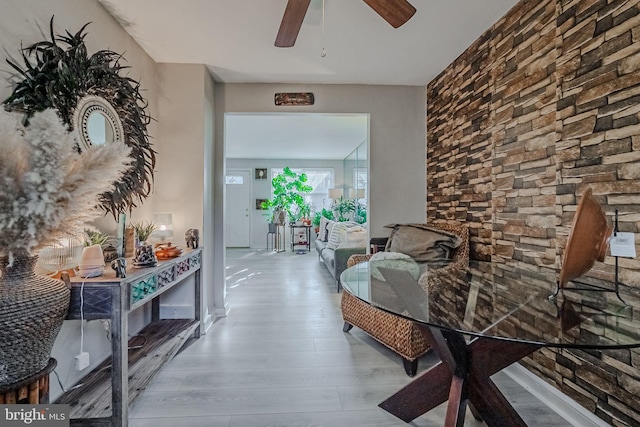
<point x="272" y="227"/>
<point x="279" y="216"/>
<point x="32" y="309"/>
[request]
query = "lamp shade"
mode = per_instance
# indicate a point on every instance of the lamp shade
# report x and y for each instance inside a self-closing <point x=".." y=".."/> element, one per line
<point x="356" y="193"/>
<point x="335" y="193"/>
<point x="164" y="224"/>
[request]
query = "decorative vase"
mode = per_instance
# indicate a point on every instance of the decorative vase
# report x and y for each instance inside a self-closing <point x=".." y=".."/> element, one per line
<point x="32" y="309"/>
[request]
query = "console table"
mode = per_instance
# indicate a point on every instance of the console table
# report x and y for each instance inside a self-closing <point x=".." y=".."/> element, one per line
<point x="110" y="297"/>
<point x="482" y="324"/>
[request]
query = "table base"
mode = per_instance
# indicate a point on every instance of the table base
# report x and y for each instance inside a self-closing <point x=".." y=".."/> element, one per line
<point x="462" y="376"/>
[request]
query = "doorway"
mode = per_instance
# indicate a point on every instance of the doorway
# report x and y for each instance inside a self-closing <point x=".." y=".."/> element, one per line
<point x="263" y="143"/>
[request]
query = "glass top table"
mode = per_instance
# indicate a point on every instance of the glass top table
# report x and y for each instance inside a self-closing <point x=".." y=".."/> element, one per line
<point x="481" y="320"/>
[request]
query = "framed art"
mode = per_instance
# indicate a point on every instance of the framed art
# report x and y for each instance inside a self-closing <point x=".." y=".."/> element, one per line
<point x="259" y="203"/>
<point x="261" y="173"/>
<point x="294" y="98"/>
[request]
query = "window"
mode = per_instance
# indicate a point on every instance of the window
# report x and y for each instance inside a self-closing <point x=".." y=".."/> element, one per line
<point x="234" y="179"/>
<point x="360" y="178"/>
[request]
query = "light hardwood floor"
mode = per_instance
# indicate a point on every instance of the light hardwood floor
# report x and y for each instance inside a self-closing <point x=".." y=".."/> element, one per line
<point x="280" y="358"/>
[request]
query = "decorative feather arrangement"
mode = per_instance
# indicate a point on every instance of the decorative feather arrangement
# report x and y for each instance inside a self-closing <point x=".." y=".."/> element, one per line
<point x="47" y="190"/>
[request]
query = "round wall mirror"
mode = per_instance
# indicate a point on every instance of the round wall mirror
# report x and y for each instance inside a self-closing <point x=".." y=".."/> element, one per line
<point x="93" y="99"/>
<point x="98" y="122"/>
<point x="99" y="129"/>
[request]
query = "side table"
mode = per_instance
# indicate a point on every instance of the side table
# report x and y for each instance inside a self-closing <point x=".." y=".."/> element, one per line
<point x="377" y="244"/>
<point x="297" y="241"/>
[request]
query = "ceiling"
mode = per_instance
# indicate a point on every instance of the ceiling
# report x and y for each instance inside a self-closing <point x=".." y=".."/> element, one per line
<point x="235" y="40"/>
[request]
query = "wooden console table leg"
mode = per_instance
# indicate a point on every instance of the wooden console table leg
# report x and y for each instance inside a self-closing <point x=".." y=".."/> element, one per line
<point x="197" y="303"/>
<point x="119" y="359"/>
<point x="462" y="376"/>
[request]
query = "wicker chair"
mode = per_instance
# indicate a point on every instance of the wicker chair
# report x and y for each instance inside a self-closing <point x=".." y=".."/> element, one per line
<point x="399" y="334"/>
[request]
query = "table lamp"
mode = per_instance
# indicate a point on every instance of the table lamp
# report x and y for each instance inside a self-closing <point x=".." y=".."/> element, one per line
<point x="164" y="225"/>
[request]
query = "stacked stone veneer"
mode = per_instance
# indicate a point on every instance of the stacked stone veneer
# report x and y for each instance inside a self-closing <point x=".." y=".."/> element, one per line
<point x="544" y="104"/>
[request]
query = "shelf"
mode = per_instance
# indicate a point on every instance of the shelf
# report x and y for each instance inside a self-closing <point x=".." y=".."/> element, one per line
<point x="92" y="401"/>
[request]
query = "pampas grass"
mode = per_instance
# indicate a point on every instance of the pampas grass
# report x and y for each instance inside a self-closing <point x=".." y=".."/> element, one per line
<point x="47" y="190"/>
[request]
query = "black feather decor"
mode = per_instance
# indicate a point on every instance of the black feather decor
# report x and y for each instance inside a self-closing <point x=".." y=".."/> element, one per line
<point x="57" y="74"/>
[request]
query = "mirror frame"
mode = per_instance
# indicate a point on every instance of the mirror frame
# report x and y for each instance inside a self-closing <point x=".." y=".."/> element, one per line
<point x="59" y="73"/>
<point x="96" y="104"/>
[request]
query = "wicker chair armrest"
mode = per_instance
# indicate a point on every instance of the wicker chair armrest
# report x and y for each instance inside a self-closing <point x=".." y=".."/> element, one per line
<point x="435" y="279"/>
<point x="357" y="259"/>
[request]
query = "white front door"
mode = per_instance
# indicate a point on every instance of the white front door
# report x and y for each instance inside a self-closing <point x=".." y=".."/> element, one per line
<point x="237" y="218"/>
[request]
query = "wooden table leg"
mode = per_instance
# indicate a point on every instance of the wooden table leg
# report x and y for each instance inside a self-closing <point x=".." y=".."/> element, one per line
<point x="462" y="375"/>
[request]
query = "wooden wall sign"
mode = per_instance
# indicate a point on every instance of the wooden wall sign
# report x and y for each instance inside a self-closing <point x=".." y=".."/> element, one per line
<point x="294" y="98"/>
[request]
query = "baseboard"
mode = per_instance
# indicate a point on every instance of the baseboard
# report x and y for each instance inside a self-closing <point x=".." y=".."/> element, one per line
<point x="221" y="311"/>
<point x="562" y="404"/>
<point x="206" y="323"/>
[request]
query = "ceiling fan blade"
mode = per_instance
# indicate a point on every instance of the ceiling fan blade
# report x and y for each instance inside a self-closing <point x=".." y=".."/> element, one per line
<point x="291" y="22"/>
<point x="395" y="12"/>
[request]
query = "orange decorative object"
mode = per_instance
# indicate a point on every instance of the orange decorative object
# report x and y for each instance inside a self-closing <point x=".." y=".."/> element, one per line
<point x="588" y="239"/>
<point x="167" y="250"/>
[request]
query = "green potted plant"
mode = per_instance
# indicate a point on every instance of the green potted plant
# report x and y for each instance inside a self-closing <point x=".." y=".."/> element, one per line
<point x="143" y="230"/>
<point x="287" y="197"/>
<point x="343" y="208"/>
<point x="95" y="237"/>
<point x="305" y="213"/>
<point x="360" y="214"/>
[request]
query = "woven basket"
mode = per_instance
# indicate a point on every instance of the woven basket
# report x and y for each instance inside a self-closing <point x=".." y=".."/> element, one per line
<point x="32" y="309"/>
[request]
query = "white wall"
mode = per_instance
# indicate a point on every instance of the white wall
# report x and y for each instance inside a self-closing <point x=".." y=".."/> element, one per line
<point x="179" y="179"/>
<point x="261" y="188"/>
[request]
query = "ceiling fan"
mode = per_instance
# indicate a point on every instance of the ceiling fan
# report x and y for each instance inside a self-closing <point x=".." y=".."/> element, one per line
<point x="395" y="12"/>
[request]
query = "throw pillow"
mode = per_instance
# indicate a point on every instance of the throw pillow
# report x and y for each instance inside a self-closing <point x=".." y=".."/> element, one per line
<point x="335" y="235"/>
<point x="327" y="229"/>
<point x="322" y="229"/>
<point x="354" y="237"/>
<point x="422" y="243"/>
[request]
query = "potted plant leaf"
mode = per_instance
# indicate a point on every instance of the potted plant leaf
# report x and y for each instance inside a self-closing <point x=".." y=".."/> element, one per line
<point x="344" y="208"/>
<point x="143" y="230"/>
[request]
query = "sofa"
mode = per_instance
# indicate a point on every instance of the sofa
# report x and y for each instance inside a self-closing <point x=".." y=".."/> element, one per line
<point x="399" y="334"/>
<point x="336" y="242"/>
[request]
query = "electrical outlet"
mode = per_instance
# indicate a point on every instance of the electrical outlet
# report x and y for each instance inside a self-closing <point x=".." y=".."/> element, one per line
<point x="81" y="361"/>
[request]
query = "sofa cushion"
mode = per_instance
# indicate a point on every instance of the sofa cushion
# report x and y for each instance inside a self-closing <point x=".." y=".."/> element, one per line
<point x="327" y="229"/>
<point x="335" y="234"/>
<point x="354" y="237"/>
<point x="320" y="245"/>
<point x="329" y="259"/>
<point x="422" y="243"/>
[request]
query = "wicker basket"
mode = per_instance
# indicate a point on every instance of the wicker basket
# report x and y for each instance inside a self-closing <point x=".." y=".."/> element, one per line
<point x="32" y="309"/>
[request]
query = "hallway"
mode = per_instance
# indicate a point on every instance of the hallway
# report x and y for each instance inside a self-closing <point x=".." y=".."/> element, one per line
<point x="280" y="358"/>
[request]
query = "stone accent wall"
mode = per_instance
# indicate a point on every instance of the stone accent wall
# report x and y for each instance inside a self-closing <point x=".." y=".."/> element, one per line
<point x="544" y="104"/>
